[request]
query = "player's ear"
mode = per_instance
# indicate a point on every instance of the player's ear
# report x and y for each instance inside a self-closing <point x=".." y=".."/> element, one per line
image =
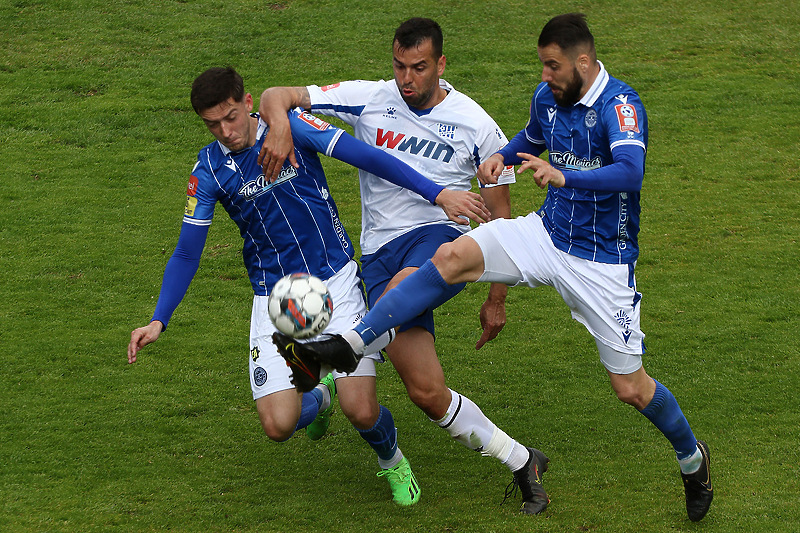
<point x="440" y="65"/>
<point x="583" y="63"/>
<point x="248" y="102"/>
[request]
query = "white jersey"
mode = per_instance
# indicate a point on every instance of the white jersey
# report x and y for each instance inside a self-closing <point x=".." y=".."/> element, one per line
<point x="446" y="143"/>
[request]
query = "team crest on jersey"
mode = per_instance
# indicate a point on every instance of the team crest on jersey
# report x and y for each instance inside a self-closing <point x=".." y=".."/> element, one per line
<point x="255" y="188"/>
<point x="447" y="131"/>
<point x="590" y="120"/>
<point x="628" y="120"/>
<point x="329" y="87"/>
<point x="313" y="121"/>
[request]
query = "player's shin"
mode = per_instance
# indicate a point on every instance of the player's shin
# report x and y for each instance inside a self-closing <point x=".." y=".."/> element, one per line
<point x="467" y="424"/>
<point x="663" y="411"/>
<point x="311" y="406"/>
<point x="382" y="437"/>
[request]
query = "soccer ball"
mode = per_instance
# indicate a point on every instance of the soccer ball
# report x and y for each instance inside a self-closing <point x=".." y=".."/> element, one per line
<point x="300" y="305"/>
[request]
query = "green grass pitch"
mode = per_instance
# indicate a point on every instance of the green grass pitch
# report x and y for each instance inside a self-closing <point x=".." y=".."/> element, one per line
<point x="98" y="137"/>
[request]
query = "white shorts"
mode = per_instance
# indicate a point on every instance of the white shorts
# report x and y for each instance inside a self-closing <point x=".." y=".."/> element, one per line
<point x="601" y="296"/>
<point x="268" y="370"/>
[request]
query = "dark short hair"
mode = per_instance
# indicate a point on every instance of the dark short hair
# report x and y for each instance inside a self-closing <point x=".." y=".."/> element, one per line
<point x="567" y="31"/>
<point x="414" y="31"/>
<point x="215" y="86"/>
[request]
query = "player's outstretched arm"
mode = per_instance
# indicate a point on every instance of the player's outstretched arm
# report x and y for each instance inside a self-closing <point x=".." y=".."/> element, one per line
<point x="178" y="274"/>
<point x="493" y="310"/>
<point x="274" y="104"/>
<point x="141" y="337"/>
<point x="456" y="204"/>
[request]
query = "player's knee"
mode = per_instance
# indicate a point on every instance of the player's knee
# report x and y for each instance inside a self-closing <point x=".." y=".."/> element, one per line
<point x="631" y="395"/>
<point x="362" y="416"/>
<point x="457" y="262"/>
<point x="430" y="400"/>
<point x="276" y="430"/>
<point x="277" y="433"/>
<point x="448" y="260"/>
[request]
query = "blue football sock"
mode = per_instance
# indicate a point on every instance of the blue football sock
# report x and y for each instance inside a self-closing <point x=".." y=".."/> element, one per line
<point x="423" y="289"/>
<point x="382" y="437"/>
<point x="312" y="401"/>
<point x="663" y="411"/>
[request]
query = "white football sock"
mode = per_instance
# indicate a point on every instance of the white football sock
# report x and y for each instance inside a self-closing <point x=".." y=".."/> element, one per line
<point x="326" y="396"/>
<point x="391" y="463"/>
<point x="691" y="464"/>
<point x="377" y="345"/>
<point x="467" y="424"/>
<point x="354" y="340"/>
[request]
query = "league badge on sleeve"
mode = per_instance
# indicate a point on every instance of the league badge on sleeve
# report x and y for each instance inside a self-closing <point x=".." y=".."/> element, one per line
<point x="313" y="121"/>
<point x="628" y="120"/>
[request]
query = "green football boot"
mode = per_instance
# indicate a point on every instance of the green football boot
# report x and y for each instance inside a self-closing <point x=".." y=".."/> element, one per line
<point x="405" y="489"/>
<point x="317" y="429"/>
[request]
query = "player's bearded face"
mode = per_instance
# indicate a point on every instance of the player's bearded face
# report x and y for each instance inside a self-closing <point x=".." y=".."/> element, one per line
<point x="569" y="92"/>
<point x="560" y="72"/>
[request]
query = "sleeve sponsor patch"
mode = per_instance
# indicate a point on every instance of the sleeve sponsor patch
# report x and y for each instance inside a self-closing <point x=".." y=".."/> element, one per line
<point x="329" y="87"/>
<point x="626" y="115"/>
<point x="313" y="121"/>
<point x="191" y="204"/>
<point x="191" y="189"/>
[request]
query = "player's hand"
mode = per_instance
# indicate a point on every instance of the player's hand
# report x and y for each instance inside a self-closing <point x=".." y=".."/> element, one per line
<point x="491" y="169"/>
<point x="460" y="204"/>
<point x="141" y="337"/>
<point x="544" y="174"/>
<point x="493" y="314"/>
<point x="277" y="147"/>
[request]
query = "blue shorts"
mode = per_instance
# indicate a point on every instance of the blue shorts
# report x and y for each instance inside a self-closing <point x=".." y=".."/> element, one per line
<point x="411" y="249"/>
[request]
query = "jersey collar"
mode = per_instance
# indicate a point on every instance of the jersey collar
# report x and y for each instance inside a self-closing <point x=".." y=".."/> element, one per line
<point x="597" y="87"/>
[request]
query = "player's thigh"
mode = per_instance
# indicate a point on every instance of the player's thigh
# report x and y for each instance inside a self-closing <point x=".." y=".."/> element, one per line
<point x="279" y="413"/>
<point x="349" y="306"/>
<point x="267" y="369"/>
<point x="403" y="254"/>
<point x="604" y="299"/>
<point x="514" y="251"/>
<point x="413" y="356"/>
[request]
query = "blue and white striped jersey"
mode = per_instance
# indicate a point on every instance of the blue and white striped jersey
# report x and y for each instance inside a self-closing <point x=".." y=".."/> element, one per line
<point x="291" y="225"/>
<point x="593" y="217"/>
